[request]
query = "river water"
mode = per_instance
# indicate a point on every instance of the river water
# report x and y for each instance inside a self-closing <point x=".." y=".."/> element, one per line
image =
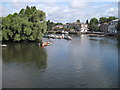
<point x="84" y="62"/>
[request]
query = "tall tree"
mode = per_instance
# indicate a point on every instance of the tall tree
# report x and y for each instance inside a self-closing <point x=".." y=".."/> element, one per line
<point x="78" y="21"/>
<point x="93" y="26"/>
<point x="102" y="20"/>
<point x="87" y="21"/>
<point x="24" y="26"/>
<point x="94" y="21"/>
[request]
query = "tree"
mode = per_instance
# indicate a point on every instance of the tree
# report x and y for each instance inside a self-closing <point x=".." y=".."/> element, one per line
<point x="87" y="22"/>
<point x="94" y="21"/>
<point x="17" y="37"/>
<point x="28" y="24"/>
<point x="102" y="20"/>
<point x="15" y="14"/>
<point x="78" y="21"/>
<point x="22" y="11"/>
<point x="93" y="26"/>
<point x="58" y="24"/>
<point x="111" y="18"/>
<point x="10" y="16"/>
<point x="48" y="25"/>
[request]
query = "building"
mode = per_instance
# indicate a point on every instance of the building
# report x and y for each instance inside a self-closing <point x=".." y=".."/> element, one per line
<point x="76" y="26"/>
<point x="84" y="27"/>
<point x="104" y="27"/>
<point x="58" y="27"/>
<point x="112" y="27"/>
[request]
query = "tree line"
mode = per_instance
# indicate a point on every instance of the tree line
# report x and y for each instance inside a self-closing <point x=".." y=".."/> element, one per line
<point x="93" y="24"/>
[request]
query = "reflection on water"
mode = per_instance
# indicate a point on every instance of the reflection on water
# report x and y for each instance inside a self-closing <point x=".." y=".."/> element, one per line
<point x="84" y="62"/>
<point x="25" y="53"/>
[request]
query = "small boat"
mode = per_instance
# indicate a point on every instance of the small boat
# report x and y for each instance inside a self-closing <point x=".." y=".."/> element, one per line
<point x="64" y="32"/>
<point x="69" y="38"/>
<point x="4" y="45"/>
<point x="46" y="43"/>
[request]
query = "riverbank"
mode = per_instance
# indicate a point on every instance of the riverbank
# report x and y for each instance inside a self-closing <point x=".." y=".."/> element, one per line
<point x="91" y="34"/>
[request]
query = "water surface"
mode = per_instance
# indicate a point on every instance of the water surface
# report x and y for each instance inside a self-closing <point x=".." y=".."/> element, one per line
<point x="84" y="62"/>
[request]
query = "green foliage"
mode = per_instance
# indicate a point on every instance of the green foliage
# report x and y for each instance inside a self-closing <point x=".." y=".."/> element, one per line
<point x="28" y="24"/>
<point x="4" y="35"/>
<point x="58" y="24"/>
<point x="103" y="20"/>
<point x="78" y="21"/>
<point x="22" y="11"/>
<point x="87" y="22"/>
<point x="0" y="35"/>
<point x="27" y="31"/>
<point x="17" y="37"/>
<point x="93" y="26"/>
<point x="50" y="25"/>
<point x="111" y="18"/>
<point x="94" y="21"/>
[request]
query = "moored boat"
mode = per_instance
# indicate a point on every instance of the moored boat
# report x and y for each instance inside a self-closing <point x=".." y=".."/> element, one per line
<point x="4" y="45"/>
<point x="45" y="43"/>
<point x="69" y="38"/>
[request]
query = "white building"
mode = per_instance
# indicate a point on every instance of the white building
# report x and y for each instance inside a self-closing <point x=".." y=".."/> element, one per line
<point x="112" y="27"/>
<point x="84" y="27"/>
<point x="78" y="26"/>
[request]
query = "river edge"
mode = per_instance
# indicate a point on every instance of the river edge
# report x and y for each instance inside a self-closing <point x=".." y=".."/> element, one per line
<point x="91" y="34"/>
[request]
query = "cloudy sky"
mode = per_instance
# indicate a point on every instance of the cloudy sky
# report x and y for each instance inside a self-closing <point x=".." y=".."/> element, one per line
<point x="63" y="10"/>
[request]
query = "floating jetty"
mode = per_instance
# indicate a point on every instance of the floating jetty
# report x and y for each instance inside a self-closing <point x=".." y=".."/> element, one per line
<point x="57" y="37"/>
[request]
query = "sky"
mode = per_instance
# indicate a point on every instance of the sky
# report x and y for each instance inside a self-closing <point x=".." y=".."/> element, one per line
<point x="64" y="10"/>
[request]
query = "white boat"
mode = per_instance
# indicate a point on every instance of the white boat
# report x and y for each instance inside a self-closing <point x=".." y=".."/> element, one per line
<point x="4" y="45"/>
<point x="69" y="38"/>
<point x="64" y="32"/>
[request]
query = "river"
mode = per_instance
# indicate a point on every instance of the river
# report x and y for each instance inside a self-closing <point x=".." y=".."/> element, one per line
<point x="83" y="62"/>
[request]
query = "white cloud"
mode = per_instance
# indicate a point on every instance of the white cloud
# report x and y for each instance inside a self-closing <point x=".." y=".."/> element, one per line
<point x="58" y="0"/>
<point x="58" y="12"/>
<point x="76" y="4"/>
<point x="65" y="10"/>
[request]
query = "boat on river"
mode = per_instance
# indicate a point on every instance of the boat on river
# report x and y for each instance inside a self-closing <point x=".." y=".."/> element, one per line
<point x="3" y="45"/>
<point x="64" y="32"/>
<point x="45" y="43"/>
<point x="69" y="38"/>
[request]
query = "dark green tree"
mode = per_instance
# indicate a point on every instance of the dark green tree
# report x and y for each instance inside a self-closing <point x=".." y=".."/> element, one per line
<point x="103" y="20"/>
<point x="78" y="21"/>
<point x="94" y="21"/>
<point x="93" y="26"/>
<point x="22" y="11"/>
<point x="87" y="22"/>
<point x="110" y="18"/>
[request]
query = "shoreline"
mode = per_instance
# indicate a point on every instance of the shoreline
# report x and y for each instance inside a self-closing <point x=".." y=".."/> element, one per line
<point x="91" y="34"/>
